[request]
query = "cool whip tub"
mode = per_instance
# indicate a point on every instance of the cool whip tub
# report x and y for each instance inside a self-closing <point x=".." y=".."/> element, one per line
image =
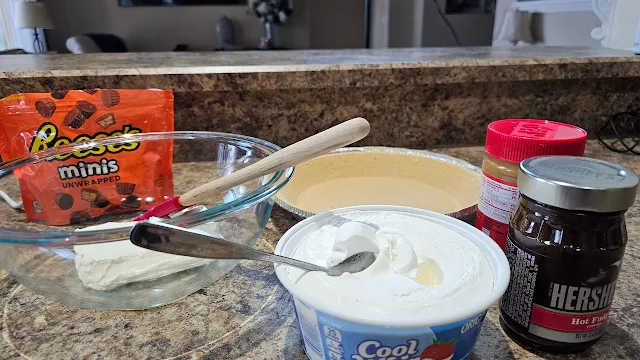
<point x="424" y="297"/>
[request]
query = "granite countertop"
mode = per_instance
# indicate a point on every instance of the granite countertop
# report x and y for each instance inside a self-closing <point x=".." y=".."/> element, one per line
<point x="214" y="71"/>
<point x="248" y="314"/>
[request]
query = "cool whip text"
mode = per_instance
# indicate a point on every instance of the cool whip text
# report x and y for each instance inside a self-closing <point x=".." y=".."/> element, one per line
<point x="372" y="349"/>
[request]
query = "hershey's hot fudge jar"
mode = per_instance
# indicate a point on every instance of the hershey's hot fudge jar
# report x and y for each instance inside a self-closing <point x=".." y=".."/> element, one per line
<point x="565" y="246"/>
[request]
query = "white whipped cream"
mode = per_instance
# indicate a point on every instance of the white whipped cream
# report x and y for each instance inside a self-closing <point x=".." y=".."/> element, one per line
<point x="393" y="253"/>
<point x="105" y="266"/>
<point x="422" y="266"/>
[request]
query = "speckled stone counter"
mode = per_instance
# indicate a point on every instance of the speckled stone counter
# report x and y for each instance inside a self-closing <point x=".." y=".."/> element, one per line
<point x="416" y="98"/>
<point x="249" y="315"/>
<point x="259" y="70"/>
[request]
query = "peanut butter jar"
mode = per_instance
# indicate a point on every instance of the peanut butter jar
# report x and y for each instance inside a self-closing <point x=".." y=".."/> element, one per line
<point x="509" y="142"/>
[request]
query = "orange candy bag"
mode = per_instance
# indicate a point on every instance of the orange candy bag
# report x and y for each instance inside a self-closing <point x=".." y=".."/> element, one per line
<point x="103" y="180"/>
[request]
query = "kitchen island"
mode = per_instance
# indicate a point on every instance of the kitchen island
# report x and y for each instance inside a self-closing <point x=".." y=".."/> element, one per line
<point x="417" y="98"/>
<point x="259" y="70"/>
<point x="248" y="315"/>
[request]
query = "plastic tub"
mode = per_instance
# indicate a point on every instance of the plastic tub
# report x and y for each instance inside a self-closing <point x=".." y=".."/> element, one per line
<point x="332" y="333"/>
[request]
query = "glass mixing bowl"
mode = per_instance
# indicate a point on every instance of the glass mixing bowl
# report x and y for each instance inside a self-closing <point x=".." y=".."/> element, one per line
<point x="42" y="257"/>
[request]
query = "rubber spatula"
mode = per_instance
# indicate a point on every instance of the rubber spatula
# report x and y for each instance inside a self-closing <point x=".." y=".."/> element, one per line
<point x="321" y="143"/>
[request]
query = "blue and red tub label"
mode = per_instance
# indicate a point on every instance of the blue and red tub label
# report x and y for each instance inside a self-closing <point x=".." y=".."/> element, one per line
<point x="328" y="338"/>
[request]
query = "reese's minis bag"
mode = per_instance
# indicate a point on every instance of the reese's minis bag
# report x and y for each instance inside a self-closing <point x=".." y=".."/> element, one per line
<point x="105" y="179"/>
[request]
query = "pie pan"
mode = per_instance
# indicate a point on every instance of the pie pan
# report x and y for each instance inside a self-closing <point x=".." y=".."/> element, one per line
<point x="383" y="176"/>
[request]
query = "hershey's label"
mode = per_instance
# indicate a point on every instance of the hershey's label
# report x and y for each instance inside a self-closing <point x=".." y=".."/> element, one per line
<point x="580" y="298"/>
<point x="556" y="299"/>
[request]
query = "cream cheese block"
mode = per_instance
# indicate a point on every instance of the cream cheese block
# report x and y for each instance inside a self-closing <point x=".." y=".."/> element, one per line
<point x="106" y="266"/>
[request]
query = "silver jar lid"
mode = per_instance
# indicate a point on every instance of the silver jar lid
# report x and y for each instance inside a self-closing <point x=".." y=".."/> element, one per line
<point x="578" y="183"/>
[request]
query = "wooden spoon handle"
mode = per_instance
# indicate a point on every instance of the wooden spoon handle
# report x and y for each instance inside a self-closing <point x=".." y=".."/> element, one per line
<point x="321" y="143"/>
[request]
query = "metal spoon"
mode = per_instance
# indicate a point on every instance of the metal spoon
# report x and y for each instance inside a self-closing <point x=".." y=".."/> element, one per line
<point x="174" y="240"/>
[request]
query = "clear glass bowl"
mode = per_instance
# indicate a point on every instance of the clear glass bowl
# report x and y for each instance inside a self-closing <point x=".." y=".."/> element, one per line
<point x="42" y="257"/>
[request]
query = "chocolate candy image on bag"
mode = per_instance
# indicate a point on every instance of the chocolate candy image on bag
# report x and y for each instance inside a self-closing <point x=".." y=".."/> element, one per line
<point x="86" y="108"/>
<point x="125" y="188"/>
<point x="64" y="201"/>
<point x="110" y="98"/>
<point x="74" y="119"/>
<point x="131" y="201"/>
<point x="46" y="107"/>
<point x="95" y="198"/>
<point x="78" y="217"/>
<point x="59" y="94"/>
<point x="79" y="186"/>
<point x="106" y="120"/>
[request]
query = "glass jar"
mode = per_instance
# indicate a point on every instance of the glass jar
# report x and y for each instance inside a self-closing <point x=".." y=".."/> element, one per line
<point x="565" y="246"/>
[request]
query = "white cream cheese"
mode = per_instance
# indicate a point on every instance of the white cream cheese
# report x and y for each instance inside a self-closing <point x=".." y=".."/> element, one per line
<point x="422" y="267"/>
<point x="105" y="266"/>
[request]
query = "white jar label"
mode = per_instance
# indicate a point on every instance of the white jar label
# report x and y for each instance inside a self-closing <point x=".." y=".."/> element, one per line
<point x="498" y="200"/>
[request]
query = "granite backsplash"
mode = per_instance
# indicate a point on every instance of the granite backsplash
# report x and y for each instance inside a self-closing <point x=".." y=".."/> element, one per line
<point x="411" y="116"/>
<point x="416" y="98"/>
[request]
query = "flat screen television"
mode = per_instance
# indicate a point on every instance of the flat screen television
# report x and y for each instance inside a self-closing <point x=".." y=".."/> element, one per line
<point x="129" y="3"/>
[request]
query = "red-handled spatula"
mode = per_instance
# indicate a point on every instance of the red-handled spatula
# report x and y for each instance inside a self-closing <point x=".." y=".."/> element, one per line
<point x="321" y="143"/>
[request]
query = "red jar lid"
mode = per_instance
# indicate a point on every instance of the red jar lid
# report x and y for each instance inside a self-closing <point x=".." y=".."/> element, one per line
<point x="514" y="140"/>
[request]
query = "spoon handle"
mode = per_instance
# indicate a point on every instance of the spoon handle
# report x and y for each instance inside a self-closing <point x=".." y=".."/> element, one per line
<point x="173" y="240"/>
<point x="323" y="142"/>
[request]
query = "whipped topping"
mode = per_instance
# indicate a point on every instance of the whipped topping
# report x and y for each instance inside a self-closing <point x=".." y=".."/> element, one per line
<point x="421" y="266"/>
<point x="352" y="238"/>
<point x="105" y="266"/>
<point x="393" y="253"/>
